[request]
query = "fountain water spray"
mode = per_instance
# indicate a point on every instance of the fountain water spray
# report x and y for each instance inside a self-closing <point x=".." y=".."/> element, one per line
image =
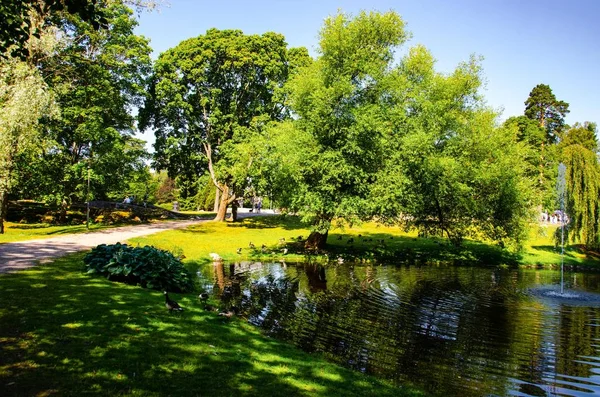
<point x="562" y="190"/>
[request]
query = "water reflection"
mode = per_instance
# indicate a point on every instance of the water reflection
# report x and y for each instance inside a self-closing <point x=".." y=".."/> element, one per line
<point x="450" y="330"/>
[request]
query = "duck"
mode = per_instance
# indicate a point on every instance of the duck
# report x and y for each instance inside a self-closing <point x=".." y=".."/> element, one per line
<point x="229" y="313"/>
<point x="203" y="297"/>
<point x="285" y="251"/>
<point x="171" y="304"/>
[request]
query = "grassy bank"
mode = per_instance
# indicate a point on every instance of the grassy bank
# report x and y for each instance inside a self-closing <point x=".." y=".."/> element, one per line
<point x="67" y="333"/>
<point x="368" y="242"/>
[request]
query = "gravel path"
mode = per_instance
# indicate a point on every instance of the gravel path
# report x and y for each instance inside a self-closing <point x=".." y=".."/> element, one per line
<point x="25" y="254"/>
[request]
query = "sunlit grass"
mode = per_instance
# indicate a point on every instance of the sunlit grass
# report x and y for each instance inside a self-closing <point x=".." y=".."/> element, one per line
<point x="32" y="231"/>
<point x="542" y="249"/>
<point x="65" y="332"/>
<point x="370" y="242"/>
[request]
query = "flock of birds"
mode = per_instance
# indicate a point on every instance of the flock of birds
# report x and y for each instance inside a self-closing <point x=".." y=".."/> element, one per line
<point x="173" y="306"/>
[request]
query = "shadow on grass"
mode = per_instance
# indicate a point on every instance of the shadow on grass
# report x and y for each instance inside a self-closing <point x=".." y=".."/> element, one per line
<point x="393" y="249"/>
<point x="571" y="252"/>
<point x="63" y="332"/>
<point x="267" y="222"/>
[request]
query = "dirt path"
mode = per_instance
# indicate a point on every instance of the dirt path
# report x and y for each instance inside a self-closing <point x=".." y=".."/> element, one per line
<point x="25" y="254"/>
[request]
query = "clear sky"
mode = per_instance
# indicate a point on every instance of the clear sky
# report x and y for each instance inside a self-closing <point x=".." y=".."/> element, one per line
<point x="523" y="42"/>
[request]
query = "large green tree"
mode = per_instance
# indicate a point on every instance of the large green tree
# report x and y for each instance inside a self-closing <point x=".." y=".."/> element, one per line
<point x="98" y="77"/>
<point x="397" y="143"/>
<point x="449" y="169"/>
<point x="580" y="155"/>
<point x="210" y="98"/>
<point x="334" y="148"/>
<point x="543" y="107"/>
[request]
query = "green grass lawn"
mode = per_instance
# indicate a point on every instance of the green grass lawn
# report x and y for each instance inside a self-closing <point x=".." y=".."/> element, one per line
<point x="63" y="332"/>
<point x="371" y="242"/>
<point x="542" y="250"/>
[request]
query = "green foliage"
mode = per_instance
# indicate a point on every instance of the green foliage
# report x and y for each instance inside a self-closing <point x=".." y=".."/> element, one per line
<point x="333" y="150"/>
<point x="97" y="76"/>
<point x="397" y="143"/>
<point x="584" y="135"/>
<point x="580" y="156"/>
<point x="209" y="100"/>
<point x="24" y="100"/>
<point x="541" y="159"/>
<point x="543" y="107"/>
<point x="148" y="266"/>
<point x="17" y="24"/>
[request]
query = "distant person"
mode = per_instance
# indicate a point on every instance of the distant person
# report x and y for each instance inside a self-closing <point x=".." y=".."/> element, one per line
<point x="127" y="200"/>
<point x="175" y="206"/>
<point x="258" y="205"/>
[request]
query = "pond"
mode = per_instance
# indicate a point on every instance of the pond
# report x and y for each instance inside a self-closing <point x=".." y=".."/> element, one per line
<point x="449" y="330"/>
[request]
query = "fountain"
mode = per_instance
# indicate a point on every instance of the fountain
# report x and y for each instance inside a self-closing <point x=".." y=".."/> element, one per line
<point x="562" y="190"/>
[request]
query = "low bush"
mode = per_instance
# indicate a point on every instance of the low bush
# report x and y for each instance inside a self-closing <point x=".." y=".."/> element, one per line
<point x="147" y="266"/>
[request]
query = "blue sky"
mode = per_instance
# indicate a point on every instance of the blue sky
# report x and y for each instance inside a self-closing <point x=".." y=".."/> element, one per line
<point x="523" y="42"/>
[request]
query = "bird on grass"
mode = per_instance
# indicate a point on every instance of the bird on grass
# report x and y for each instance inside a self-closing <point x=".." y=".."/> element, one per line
<point x="229" y="313"/>
<point x="285" y="251"/>
<point x="215" y="257"/>
<point x="171" y="304"/>
<point x="203" y="297"/>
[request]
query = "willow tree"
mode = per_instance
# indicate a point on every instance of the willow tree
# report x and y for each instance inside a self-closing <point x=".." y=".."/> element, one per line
<point x="210" y="98"/>
<point x="24" y="100"/>
<point x="580" y="155"/>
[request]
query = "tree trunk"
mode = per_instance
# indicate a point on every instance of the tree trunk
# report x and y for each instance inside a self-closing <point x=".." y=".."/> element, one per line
<point x="234" y="212"/>
<point x="3" y="209"/>
<point x="216" y="206"/>
<point x="316" y="241"/>
<point x="223" y="203"/>
<point x="222" y="212"/>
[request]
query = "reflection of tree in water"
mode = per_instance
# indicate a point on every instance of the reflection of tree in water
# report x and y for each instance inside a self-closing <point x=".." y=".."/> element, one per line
<point x="454" y="331"/>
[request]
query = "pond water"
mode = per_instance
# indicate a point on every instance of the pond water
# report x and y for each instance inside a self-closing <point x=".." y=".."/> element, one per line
<point x="453" y="331"/>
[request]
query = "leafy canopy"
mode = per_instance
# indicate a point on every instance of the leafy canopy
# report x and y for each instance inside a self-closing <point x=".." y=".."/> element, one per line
<point x="211" y="97"/>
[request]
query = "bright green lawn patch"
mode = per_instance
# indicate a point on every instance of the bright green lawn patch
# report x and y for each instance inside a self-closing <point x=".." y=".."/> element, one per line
<point x="224" y="238"/>
<point x="542" y="250"/>
<point x="371" y="242"/>
<point x="67" y="333"/>
<point x="32" y="231"/>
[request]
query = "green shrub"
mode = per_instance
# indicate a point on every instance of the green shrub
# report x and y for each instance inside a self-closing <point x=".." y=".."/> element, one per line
<point x="147" y="266"/>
